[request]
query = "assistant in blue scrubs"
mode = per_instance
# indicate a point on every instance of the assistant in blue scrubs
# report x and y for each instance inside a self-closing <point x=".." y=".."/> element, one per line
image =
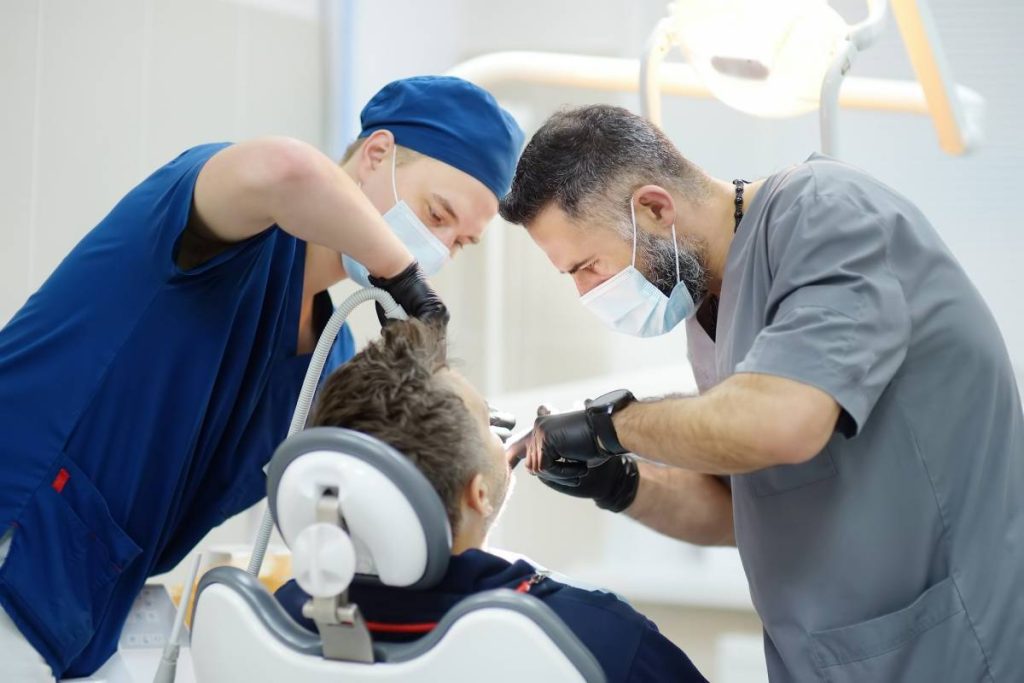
<point x="139" y="403"/>
<point x="140" y="397"/>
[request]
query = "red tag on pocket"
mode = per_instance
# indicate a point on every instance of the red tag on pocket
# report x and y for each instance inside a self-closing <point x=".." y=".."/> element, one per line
<point x="61" y="479"/>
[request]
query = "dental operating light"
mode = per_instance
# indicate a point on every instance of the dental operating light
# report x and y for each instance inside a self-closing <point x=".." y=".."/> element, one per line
<point x="768" y="58"/>
<point x="763" y="58"/>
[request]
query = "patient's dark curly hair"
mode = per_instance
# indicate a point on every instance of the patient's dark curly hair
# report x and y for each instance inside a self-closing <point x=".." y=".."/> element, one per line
<point x="390" y="391"/>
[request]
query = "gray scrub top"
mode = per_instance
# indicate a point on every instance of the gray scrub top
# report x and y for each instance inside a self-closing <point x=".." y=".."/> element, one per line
<point x="897" y="553"/>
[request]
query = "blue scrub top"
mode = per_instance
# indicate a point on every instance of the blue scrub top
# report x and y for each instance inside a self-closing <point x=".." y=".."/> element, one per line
<point x="138" y="403"/>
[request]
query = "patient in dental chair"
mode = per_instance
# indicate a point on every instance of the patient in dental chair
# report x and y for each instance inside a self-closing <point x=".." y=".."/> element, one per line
<point x="401" y="391"/>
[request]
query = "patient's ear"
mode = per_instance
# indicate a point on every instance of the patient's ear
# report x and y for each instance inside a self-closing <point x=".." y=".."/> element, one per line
<point x="477" y="496"/>
<point x="476" y="509"/>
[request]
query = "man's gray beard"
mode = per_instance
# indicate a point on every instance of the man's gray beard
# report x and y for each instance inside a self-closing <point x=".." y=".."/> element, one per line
<point x="656" y="259"/>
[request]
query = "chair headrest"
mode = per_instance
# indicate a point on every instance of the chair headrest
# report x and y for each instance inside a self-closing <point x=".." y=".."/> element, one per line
<point x="395" y="518"/>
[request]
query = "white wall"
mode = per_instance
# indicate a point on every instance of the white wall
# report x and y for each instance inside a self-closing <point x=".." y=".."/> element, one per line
<point x="95" y="94"/>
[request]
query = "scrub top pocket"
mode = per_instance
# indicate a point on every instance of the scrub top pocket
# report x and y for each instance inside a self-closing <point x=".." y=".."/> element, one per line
<point x="66" y="554"/>
<point x="929" y="640"/>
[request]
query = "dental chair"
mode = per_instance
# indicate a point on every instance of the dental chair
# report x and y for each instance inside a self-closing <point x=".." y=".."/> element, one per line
<point x="353" y="510"/>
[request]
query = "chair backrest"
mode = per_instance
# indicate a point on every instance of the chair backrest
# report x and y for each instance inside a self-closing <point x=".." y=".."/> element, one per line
<point x="354" y="509"/>
<point x="241" y="634"/>
<point x="394" y="517"/>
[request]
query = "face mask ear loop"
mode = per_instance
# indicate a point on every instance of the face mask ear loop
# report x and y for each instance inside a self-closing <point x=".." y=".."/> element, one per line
<point x="394" y="163"/>
<point x="675" y="245"/>
<point x="632" y="216"/>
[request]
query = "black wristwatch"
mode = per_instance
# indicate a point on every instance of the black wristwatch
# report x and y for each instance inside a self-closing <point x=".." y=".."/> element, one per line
<point x="599" y="415"/>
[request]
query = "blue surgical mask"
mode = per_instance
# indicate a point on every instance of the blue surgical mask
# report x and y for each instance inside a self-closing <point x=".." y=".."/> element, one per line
<point x="631" y="304"/>
<point x="429" y="251"/>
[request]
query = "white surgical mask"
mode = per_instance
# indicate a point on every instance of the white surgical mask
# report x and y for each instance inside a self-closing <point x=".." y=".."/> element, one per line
<point x="429" y="251"/>
<point x="631" y="304"/>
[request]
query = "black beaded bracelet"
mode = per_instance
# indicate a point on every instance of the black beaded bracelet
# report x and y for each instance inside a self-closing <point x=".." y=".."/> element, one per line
<point x="739" y="201"/>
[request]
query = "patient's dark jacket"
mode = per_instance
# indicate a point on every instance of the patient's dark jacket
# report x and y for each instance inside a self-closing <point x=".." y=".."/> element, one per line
<point x="627" y="645"/>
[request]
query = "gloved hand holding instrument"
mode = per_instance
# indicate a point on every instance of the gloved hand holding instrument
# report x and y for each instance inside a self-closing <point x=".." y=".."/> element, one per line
<point x="579" y="454"/>
<point x="413" y="293"/>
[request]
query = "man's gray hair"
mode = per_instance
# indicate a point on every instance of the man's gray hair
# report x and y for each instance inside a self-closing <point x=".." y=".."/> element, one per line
<point x="588" y="161"/>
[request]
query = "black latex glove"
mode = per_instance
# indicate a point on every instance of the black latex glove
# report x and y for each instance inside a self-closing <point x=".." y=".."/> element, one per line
<point x="412" y="292"/>
<point x="612" y="484"/>
<point x="574" y="463"/>
<point x="569" y="444"/>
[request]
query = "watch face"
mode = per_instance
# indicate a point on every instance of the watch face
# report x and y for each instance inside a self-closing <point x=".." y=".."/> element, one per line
<point x="613" y="399"/>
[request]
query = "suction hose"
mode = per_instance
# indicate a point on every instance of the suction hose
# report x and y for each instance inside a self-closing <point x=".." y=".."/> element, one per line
<point x="167" y="670"/>
<point x="309" y="385"/>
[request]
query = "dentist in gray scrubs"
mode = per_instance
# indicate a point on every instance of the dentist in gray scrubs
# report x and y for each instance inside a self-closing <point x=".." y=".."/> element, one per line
<point x="858" y="434"/>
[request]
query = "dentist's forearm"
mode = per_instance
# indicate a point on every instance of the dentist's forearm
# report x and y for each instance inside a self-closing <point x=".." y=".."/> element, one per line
<point x="691" y="507"/>
<point x="683" y="432"/>
<point x="746" y="423"/>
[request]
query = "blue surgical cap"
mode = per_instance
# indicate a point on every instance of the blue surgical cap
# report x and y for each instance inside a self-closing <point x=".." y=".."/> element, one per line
<point x="452" y="121"/>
